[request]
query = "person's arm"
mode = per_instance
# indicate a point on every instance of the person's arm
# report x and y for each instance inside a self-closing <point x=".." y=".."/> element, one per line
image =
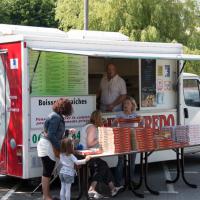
<point x="117" y="101"/>
<point x="140" y="120"/>
<point x="141" y="123"/>
<point x="92" y="139"/>
<point x="80" y="162"/>
<point x="115" y="122"/>
<point x="52" y="129"/>
<point x="98" y="96"/>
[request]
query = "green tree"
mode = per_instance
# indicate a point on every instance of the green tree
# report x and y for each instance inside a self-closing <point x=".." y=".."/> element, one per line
<point x="146" y="20"/>
<point x="192" y="66"/>
<point x="69" y="13"/>
<point x="4" y="12"/>
<point x="103" y="14"/>
<point x="150" y="34"/>
<point x="28" y="12"/>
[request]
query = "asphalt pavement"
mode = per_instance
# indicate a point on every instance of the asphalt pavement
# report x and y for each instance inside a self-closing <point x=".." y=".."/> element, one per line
<point x="16" y="189"/>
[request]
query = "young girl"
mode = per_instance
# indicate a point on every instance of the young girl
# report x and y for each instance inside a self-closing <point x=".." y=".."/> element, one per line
<point x="67" y="171"/>
<point x="129" y="107"/>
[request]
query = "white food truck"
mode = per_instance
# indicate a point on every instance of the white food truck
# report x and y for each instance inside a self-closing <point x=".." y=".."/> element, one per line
<point x="39" y="65"/>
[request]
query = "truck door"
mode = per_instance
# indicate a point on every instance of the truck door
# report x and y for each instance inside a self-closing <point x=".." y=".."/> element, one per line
<point x="3" y="151"/>
<point x="191" y="103"/>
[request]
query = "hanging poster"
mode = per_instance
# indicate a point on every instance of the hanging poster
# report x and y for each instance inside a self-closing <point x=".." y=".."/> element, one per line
<point x="167" y="71"/>
<point x="148" y="83"/>
<point x="58" y="74"/>
<point x="160" y="70"/>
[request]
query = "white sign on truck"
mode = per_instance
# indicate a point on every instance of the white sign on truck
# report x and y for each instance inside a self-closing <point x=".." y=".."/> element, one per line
<point x="82" y="108"/>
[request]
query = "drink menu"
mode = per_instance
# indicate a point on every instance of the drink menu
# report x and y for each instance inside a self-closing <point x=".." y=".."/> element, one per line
<point x="59" y="74"/>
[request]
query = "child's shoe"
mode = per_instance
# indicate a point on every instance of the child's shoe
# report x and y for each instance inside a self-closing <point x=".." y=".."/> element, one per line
<point x="98" y="196"/>
<point x="91" y="193"/>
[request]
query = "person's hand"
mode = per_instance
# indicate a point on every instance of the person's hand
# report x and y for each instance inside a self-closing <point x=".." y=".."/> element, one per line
<point x="110" y="107"/>
<point x="87" y="158"/>
<point x="72" y="131"/>
<point x="45" y="134"/>
<point x="141" y="119"/>
<point x="115" y="122"/>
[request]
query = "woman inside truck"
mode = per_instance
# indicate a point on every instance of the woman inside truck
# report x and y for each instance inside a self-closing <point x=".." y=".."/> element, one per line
<point x="127" y="118"/>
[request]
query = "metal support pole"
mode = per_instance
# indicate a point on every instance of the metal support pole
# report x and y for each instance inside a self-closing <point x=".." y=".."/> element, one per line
<point x="86" y="14"/>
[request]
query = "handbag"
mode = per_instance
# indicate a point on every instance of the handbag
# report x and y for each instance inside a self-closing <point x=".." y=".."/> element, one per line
<point x="56" y="152"/>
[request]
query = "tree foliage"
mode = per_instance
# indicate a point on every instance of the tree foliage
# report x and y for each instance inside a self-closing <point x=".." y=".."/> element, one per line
<point x="142" y="20"/>
<point x="192" y="66"/>
<point x="4" y="12"/>
<point x="28" y="12"/>
<point x="69" y="13"/>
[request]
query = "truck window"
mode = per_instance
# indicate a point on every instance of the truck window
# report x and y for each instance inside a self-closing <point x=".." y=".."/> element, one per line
<point x="191" y="92"/>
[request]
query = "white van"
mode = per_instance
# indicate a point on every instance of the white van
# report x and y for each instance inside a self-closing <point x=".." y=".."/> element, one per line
<point x="39" y="65"/>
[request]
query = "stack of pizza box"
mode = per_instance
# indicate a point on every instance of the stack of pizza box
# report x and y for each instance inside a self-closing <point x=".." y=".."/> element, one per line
<point x="194" y="134"/>
<point x="144" y="139"/>
<point x="163" y="138"/>
<point x="181" y="134"/>
<point x="106" y="139"/>
<point x="122" y="139"/>
<point x="139" y="139"/>
<point x="150" y="142"/>
<point x="187" y="135"/>
<point x="115" y="140"/>
<point x="133" y="140"/>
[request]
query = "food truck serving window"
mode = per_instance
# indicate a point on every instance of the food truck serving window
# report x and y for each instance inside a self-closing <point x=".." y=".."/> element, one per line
<point x="58" y="74"/>
<point x="162" y="93"/>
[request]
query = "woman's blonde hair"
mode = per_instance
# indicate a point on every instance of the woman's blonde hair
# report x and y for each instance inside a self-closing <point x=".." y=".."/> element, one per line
<point x="96" y="118"/>
<point x="133" y="102"/>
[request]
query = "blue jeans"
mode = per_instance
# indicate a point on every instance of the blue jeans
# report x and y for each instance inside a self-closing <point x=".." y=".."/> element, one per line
<point x="119" y="169"/>
<point x="132" y="165"/>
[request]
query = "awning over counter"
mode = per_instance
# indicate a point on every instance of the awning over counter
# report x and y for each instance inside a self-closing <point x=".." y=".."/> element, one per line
<point x="125" y="55"/>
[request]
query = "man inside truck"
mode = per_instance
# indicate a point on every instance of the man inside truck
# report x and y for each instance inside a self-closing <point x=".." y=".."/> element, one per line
<point x="112" y="90"/>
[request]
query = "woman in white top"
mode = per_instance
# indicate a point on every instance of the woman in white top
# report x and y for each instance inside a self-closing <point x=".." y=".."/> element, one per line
<point x="99" y="168"/>
<point x="67" y="171"/>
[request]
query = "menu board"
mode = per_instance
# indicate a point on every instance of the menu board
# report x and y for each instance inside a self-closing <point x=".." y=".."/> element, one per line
<point x="59" y="74"/>
<point x="148" y="83"/>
